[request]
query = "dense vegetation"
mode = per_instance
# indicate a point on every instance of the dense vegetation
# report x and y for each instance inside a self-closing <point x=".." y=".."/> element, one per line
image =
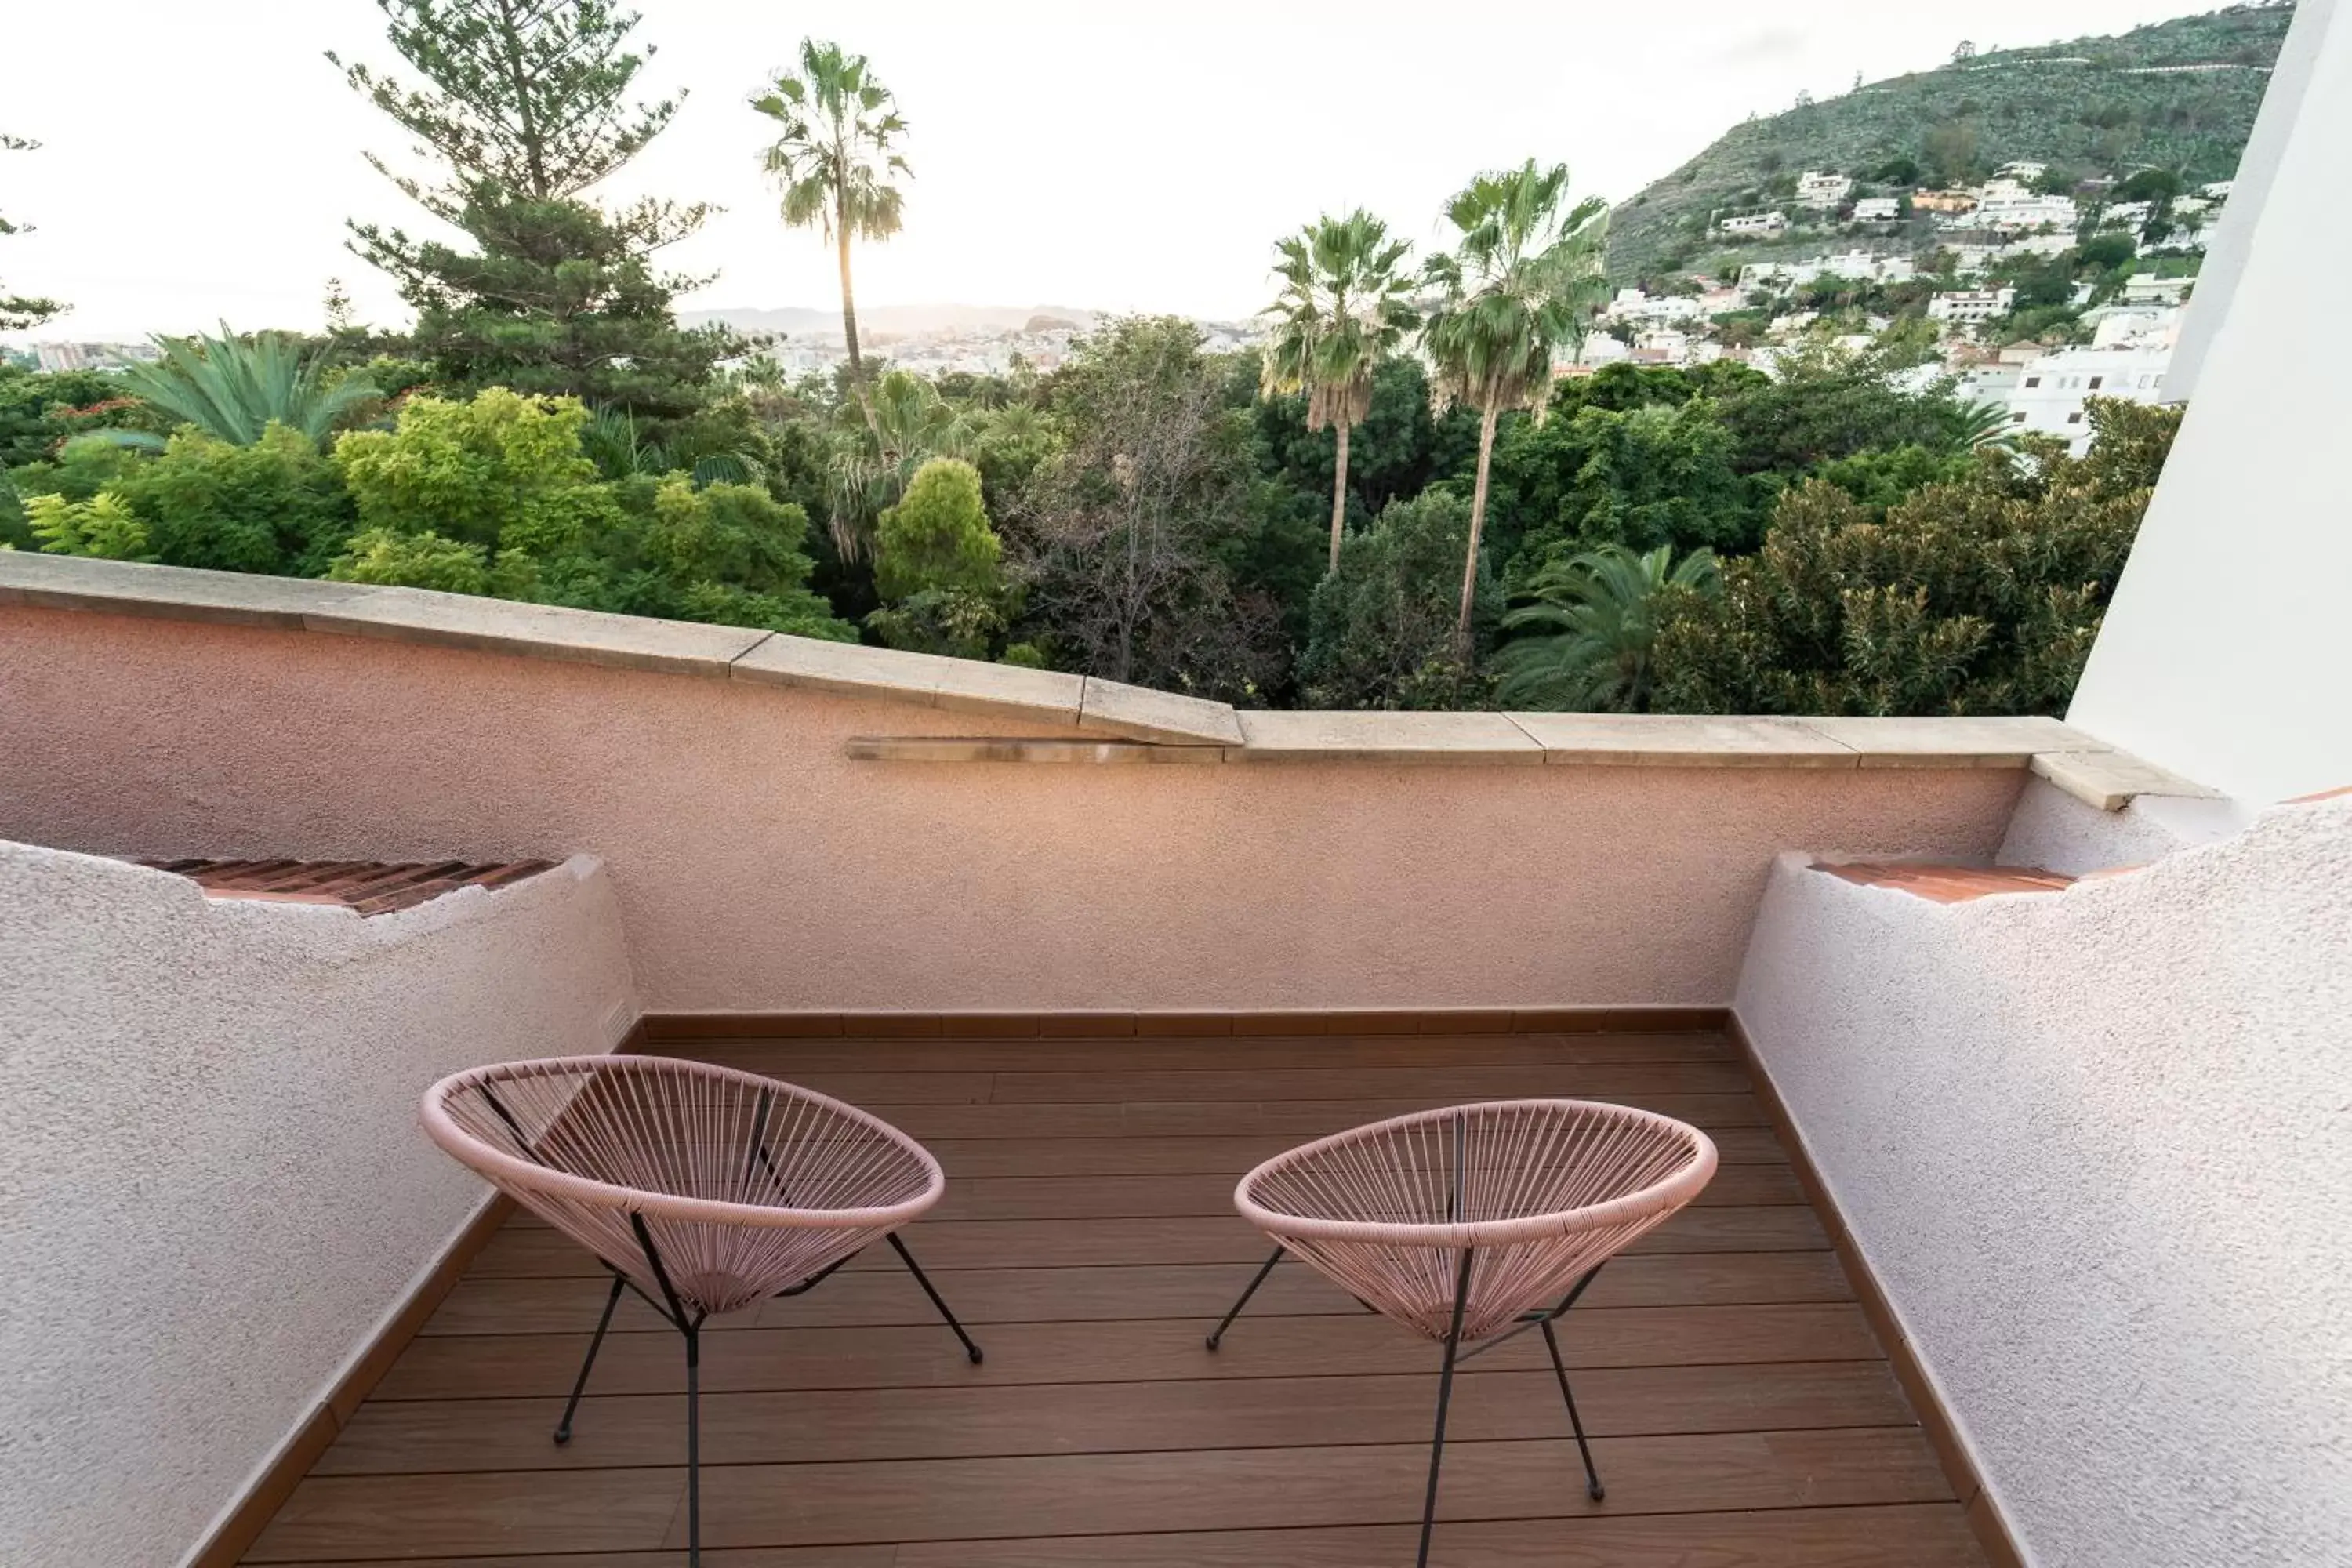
<point x="2086" y="105"/>
<point x="1396" y="505"/>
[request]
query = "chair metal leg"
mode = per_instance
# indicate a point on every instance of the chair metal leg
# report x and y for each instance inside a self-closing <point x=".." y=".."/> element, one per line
<point x="1247" y="1291"/>
<point x="1592" y="1477"/>
<point x="694" y="1446"/>
<point x="1445" y="1397"/>
<point x="580" y="1385"/>
<point x="923" y="1280"/>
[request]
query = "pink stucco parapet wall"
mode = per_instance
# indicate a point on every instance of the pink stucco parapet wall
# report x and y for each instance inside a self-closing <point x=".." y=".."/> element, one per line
<point x="759" y="868"/>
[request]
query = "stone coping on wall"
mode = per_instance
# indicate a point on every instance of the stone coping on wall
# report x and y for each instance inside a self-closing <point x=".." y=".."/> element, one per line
<point x="1116" y="723"/>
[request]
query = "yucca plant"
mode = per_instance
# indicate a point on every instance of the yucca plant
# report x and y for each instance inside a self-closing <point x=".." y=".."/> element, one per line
<point x="1597" y="613"/>
<point x="235" y="387"/>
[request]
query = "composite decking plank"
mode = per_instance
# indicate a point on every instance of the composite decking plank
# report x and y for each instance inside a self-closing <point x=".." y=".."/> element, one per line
<point x="1178" y="1196"/>
<point x="1297" y="1119"/>
<point x="1447" y="1084"/>
<point x="966" y="1159"/>
<point x="353" y="1517"/>
<point x="805" y="1426"/>
<point x="1903" y="1535"/>
<point x="539" y="1252"/>
<point x="1914" y="1535"/>
<point x="1222" y="1053"/>
<point x="875" y="1296"/>
<point x="475" y="1366"/>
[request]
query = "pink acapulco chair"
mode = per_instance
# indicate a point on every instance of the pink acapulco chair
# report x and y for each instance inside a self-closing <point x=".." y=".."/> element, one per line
<point x="1475" y="1223"/>
<point x="701" y="1188"/>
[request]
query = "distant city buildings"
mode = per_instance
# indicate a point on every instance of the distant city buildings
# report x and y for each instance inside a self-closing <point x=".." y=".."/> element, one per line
<point x="55" y="356"/>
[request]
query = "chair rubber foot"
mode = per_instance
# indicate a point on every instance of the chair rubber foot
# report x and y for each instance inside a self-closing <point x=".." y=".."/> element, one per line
<point x="975" y="1355"/>
<point x="1597" y="1492"/>
<point x="561" y="1438"/>
<point x="1212" y="1342"/>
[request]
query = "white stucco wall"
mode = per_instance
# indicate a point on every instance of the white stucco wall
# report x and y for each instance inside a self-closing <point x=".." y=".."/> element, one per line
<point x="2051" y="829"/>
<point x="212" y="1185"/>
<point x="2097" y="1148"/>
<point x="2223" y="655"/>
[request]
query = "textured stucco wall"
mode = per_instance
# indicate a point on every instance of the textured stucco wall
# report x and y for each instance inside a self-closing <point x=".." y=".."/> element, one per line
<point x="2097" y="1148"/>
<point x="212" y="1185"/>
<point x="2051" y="829"/>
<point x="757" y="866"/>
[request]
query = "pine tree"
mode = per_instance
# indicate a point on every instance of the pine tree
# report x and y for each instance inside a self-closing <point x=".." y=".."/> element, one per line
<point x="21" y="313"/>
<point x="524" y="106"/>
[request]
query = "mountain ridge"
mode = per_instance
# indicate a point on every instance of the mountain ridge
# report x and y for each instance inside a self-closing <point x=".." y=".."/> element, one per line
<point x="2178" y="93"/>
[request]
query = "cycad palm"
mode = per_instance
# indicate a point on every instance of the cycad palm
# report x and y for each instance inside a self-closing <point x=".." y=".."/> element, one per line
<point x="1523" y="279"/>
<point x="1596" y="616"/>
<point x="835" y="160"/>
<point x="235" y="388"/>
<point x="1343" y="309"/>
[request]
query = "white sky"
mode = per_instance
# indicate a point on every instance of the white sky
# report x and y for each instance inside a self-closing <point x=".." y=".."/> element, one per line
<point x="199" y="160"/>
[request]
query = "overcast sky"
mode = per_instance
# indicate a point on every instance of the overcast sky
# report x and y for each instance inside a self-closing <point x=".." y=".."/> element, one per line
<point x="199" y="160"/>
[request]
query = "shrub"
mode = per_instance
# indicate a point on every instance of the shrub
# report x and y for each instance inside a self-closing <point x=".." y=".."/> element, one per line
<point x="1978" y="596"/>
<point x="502" y="472"/>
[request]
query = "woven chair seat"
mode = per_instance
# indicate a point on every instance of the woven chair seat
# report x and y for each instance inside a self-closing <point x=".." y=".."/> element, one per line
<point x="1542" y="1190"/>
<point x="746" y="1185"/>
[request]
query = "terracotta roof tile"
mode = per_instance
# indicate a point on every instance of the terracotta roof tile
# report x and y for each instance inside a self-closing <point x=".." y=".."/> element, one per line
<point x="370" y="886"/>
<point x="1946" y="884"/>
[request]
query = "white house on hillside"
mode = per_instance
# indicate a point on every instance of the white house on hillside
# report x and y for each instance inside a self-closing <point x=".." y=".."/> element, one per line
<point x="1878" y="209"/>
<point x="1965" y="306"/>
<point x="1815" y="189"/>
<point x="1765" y="224"/>
<point x="2052" y="388"/>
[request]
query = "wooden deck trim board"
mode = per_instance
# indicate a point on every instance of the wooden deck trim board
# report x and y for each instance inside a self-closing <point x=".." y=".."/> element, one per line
<point x="657" y="1029"/>
<point x="1992" y="1529"/>
<point x="247" y="1514"/>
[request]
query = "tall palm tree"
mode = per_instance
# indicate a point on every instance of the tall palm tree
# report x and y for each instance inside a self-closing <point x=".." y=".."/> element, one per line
<point x="1599" y="614"/>
<point x="835" y="161"/>
<point x="1344" y="307"/>
<point x="1524" y="277"/>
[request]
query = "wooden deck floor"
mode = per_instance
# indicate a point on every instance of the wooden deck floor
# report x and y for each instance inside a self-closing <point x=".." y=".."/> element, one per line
<point x="1744" y="1414"/>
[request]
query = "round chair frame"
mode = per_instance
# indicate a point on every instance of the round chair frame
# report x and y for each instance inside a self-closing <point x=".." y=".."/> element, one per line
<point x="1465" y="1250"/>
<point x="834" y="1179"/>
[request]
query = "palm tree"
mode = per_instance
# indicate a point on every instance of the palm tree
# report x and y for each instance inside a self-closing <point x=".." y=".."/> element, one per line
<point x="835" y="161"/>
<point x="1600" y="612"/>
<point x="1524" y="277"/>
<point x="909" y="424"/>
<point x="1343" y="309"/>
<point x="235" y="388"/>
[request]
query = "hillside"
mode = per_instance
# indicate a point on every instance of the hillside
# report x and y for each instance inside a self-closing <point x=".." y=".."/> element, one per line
<point x="2178" y="94"/>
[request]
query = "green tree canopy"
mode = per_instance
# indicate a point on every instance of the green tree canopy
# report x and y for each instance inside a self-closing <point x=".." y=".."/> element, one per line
<point x="1381" y="627"/>
<point x="525" y="108"/>
<point x="1121" y="538"/>
<point x="21" y="313"/>
<point x="937" y="536"/>
<point x="1977" y="596"/>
